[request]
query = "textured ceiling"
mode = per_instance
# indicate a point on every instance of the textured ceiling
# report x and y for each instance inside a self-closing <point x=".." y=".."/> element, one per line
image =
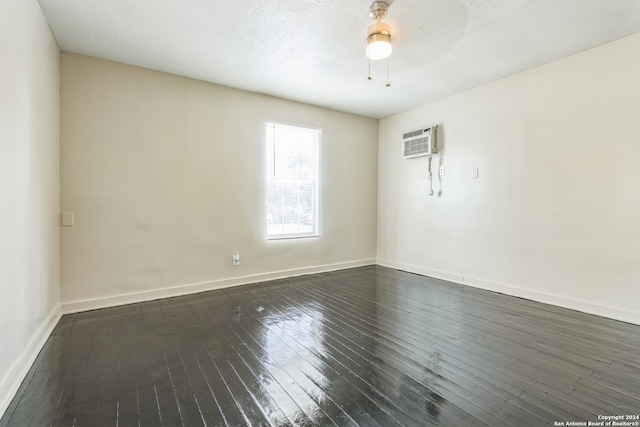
<point x="313" y="50"/>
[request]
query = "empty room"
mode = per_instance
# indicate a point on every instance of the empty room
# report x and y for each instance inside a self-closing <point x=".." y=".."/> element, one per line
<point x="319" y="213"/>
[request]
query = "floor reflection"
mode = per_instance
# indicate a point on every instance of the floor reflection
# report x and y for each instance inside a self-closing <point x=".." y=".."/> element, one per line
<point x="345" y="366"/>
<point x="429" y="403"/>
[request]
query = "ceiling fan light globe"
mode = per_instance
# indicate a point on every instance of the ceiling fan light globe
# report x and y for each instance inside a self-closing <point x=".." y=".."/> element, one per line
<point x="379" y="49"/>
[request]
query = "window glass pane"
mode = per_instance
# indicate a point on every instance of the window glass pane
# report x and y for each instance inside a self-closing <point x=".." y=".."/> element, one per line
<point x="292" y="181"/>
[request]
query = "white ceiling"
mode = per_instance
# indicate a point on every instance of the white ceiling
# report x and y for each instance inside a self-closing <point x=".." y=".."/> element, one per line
<point x="313" y="50"/>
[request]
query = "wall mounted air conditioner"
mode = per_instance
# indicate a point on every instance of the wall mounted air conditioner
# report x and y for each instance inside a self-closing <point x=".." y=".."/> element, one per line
<point x="421" y="142"/>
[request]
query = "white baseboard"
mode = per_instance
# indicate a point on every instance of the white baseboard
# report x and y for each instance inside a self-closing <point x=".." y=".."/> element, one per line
<point x="559" y="301"/>
<point x="17" y="373"/>
<point x="455" y="278"/>
<point x="93" y="304"/>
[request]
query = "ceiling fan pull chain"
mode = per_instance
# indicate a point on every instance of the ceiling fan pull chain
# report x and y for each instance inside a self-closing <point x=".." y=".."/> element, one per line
<point x="388" y="84"/>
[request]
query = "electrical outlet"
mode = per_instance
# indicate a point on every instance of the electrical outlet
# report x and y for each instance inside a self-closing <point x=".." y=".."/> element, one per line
<point x="236" y="259"/>
<point x="441" y="171"/>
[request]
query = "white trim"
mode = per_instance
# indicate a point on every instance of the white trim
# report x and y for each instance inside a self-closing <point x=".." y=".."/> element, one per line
<point x="557" y="300"/>
<point x="20" y="368"/>
<point x="545" y="298"/>
<point x="456" y="278"/>
<point x="292" y="236"/>
<point x="93" y="304"/>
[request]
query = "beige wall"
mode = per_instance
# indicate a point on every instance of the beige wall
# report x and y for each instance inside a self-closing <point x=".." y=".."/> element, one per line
<point x="166" y="177"/>
<point x="555" y="213"/>
<point x="29" y="192"/>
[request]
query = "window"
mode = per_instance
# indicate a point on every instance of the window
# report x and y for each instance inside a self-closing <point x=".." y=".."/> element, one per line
<point x="293" y="164"/>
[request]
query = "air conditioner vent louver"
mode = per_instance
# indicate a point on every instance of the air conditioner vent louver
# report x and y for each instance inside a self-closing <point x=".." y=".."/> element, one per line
<point x="414" y="133"/>
<point x="421" y="142"/>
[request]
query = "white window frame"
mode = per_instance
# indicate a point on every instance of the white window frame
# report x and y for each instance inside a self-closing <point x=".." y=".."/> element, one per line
<point x="270" y="159"/>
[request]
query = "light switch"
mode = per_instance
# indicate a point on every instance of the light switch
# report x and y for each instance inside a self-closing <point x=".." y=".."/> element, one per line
<point x="474" y="173"/>
<point x="67" y="219"/>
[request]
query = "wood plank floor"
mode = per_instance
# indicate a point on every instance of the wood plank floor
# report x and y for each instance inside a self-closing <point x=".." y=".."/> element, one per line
<point x="369" y="346"/>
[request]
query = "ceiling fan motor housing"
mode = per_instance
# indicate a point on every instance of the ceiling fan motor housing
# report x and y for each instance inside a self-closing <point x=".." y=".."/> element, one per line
<point x="378" y="9"/>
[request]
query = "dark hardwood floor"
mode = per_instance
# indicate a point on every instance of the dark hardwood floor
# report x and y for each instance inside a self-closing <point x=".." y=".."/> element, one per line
<point x="369" y="346"/>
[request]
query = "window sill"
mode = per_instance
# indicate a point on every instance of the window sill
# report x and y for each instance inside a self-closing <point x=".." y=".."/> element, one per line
<point x="291" y="236"/>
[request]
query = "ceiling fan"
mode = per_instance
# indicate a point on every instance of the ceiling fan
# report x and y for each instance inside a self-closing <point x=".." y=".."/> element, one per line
<point x="379" y="36"/>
